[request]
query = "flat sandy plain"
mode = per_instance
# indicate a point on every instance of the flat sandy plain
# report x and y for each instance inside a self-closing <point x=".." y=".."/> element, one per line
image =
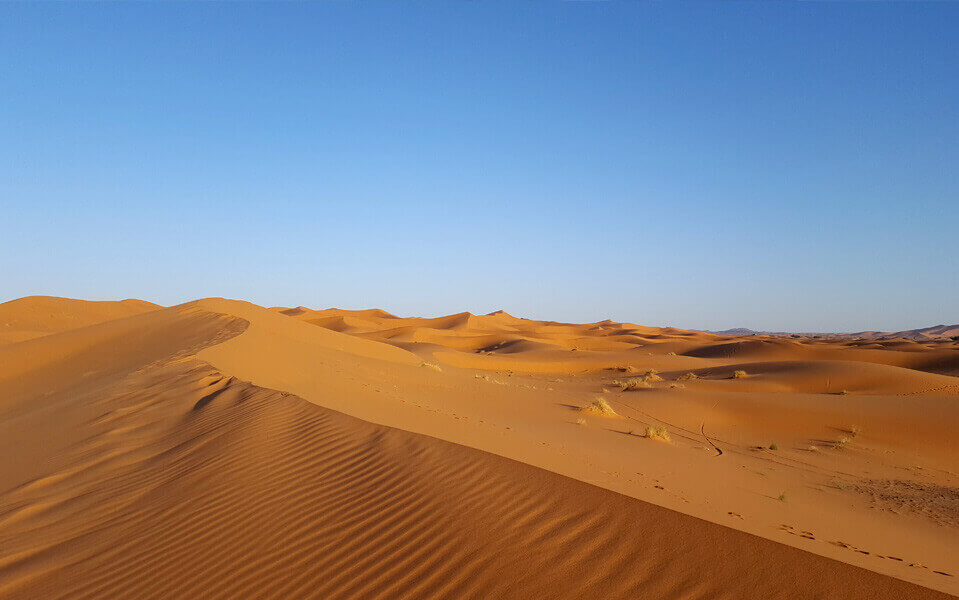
<point x="219" y="449"/>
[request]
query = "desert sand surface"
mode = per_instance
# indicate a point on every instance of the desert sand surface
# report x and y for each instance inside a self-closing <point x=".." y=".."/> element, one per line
<point x="219" y="449"/>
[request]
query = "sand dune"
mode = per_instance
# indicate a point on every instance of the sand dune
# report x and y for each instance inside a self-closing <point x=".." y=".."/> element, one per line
<point x="218" y="449"/>
<point x="36" y="316"/>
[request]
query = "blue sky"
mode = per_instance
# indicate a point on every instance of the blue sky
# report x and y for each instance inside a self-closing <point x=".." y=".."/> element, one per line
<point x="784" y="165"/>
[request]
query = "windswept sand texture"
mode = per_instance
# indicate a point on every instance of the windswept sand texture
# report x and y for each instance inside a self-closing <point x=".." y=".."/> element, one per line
<point x="218" y="449"/>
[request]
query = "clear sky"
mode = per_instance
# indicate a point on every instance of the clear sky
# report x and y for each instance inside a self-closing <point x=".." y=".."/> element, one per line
<point x="788" y="166"/>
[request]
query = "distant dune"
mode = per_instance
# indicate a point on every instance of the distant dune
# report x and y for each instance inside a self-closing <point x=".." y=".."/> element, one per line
<point x="219" y="449"/>
<point x="37" y="316"/>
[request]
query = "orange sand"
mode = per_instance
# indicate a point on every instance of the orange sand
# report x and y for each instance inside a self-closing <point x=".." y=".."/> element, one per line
<point x="218" y="449"/>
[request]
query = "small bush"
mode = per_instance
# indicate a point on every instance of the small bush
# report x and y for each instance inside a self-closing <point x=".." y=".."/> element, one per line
<point x="773" y="446"/>
<point x="600" y="407"/>
<point x="657" y="432"/>
<point x="633" y="384"/>
<point x="651" y="375"/>
<point x="740" y="374"/>
<point x="782" y="497"/>
<point x="687" y="377"/>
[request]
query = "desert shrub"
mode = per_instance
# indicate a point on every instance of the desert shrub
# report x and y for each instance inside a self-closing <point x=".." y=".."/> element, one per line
<point x="657" y="432"/>
<point x="687" y="377"/>
<point x="633" y="384"/>
<point x="600" y="407"/>
<point x="430" y="365"/>
<point x="740" y="374"/>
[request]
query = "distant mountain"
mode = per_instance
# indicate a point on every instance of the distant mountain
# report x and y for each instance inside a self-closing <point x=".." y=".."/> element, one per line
<point x="925" y="333"/>
<point x="735" y="331"/>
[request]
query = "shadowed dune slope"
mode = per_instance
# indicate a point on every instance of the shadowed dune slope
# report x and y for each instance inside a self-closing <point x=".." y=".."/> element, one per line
<point x="169" y="479"/>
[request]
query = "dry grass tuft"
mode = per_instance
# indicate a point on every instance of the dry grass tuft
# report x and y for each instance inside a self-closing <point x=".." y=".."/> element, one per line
<point x="687" y="377"/>
<point x="580" y="421"/>
<point x="651" y="375"/>
<point x="740" y="374"/>
<point x="430" y="365"/>
<point x="657" y="432"/>
<point x="633" y="384"/>
<point x="600" y="407"/>
<point x="627" y="369"/>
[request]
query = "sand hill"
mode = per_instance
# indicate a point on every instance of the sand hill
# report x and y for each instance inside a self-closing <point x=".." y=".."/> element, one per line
<point x="36" y="316"/>
<point x="219" y="449"/>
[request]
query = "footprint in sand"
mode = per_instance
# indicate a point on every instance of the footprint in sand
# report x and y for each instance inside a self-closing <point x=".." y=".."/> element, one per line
<point x="803" y="534"/>
<point x="916" y="565"/>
